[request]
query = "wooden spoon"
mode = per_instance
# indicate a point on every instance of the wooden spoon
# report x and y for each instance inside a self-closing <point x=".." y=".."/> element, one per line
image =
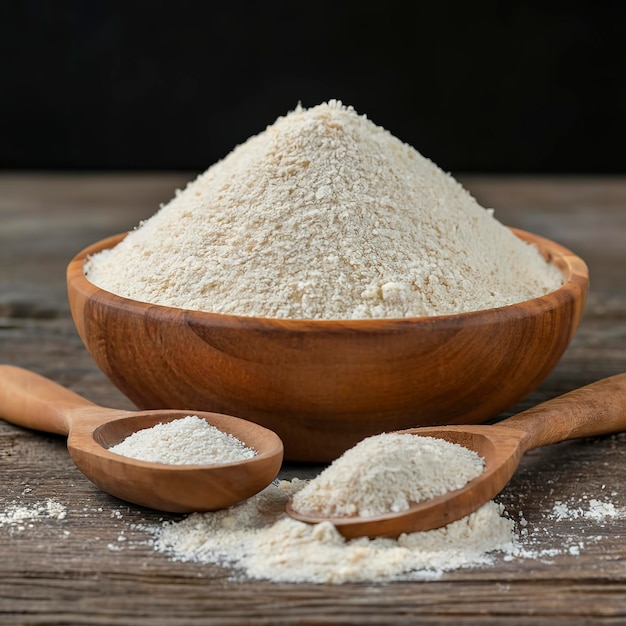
<point x="29" y="400"/>
<point x="597" y="409"/>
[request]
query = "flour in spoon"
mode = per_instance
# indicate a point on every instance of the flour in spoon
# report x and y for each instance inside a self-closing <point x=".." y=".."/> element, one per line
<point x="385" y="473"/>
<point x="186" y="441"/>
<point x="324" y="215"/>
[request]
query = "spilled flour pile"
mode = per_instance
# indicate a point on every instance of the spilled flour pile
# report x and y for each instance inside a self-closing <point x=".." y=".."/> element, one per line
<point x="324" y="215"/>
<point x="380" y="474"/>
<point x="259" y="540"/>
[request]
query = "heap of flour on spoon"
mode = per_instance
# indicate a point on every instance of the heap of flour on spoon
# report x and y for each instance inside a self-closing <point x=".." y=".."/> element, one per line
<point x="386" y="473"/>
<point x="324" y="215"/>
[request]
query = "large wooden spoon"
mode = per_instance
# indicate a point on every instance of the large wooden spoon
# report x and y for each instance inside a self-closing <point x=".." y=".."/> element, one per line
<point x="597" y="409"/>
<point x="30" y="400"/>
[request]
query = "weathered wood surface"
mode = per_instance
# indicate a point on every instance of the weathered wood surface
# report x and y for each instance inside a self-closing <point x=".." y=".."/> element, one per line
<point x="95" y="567"/>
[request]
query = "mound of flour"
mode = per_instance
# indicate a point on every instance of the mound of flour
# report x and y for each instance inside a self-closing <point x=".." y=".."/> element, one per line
<point x="185" y="441"/>
<point x="385" y="473"/>
<point x="324" y="215"/>
<point x="380" y="474"/>
<point x="261" y="542"/>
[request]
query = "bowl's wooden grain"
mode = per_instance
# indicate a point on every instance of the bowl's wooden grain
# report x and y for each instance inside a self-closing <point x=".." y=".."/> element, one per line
<point x="325" y="385"/>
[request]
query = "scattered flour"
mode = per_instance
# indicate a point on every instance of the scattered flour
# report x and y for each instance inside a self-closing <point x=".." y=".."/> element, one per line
<point x="18" y="515"/>
<point x="257" y="538"/>
<point x="324" y="215"/>
<point x="259" y="541"/>
<point x="592" y="509"/>
<point x="385" y="473"/>
<point x="185" y="441"/>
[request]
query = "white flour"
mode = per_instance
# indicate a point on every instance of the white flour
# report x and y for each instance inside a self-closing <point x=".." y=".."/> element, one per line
<point x="20" y="516"/>
<point x="591" y="509"/>
<point x="324" y="215"/>
<point x="387" y="472"/>
<point x="259" y="540"/>
<point x="380" y="474"/>
<point x="186" y="441"/>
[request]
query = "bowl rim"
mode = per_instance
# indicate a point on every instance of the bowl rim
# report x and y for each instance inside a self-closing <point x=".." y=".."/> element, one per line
<point x="574" y="270"/>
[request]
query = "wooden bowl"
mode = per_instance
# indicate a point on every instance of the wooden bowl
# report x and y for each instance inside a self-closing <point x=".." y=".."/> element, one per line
<point x="322" y="386"/>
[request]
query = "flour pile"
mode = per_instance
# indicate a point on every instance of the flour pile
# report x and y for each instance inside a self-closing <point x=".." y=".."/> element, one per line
<point x="259" y="540"/>
<point x="324" y="215"/>
<point x="186" y="441"/>
<point x="385" y="473"/>
<point x="380" y="474"/>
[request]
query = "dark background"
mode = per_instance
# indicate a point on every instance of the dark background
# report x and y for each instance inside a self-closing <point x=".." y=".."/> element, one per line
<point x="476" y="86"/>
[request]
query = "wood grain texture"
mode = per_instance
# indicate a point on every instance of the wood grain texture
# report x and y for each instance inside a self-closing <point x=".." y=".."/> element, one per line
<point x="78" y="571"/>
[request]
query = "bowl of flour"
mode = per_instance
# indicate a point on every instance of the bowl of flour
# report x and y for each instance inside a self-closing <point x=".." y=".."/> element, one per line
<point x="327" y="281"/>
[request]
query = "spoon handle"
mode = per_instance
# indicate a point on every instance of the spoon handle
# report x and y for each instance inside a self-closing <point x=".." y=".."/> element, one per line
<point x="30" y="400"/>
<point x="596" y="409"/>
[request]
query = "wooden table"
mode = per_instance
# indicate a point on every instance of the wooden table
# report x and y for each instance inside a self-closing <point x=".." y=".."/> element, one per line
<point x="94" y="566"/>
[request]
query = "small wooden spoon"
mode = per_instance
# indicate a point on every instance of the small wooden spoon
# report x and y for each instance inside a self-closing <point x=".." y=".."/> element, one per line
<point x="29" y="400"/>
<point x="597" y="409"/>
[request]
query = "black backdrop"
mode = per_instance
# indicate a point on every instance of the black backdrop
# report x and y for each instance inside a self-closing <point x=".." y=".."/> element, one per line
<point x="476" y="86"/>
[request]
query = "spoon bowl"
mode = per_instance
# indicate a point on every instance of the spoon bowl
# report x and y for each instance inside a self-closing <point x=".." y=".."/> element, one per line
<point x="597" y="409"/>
<point x="29" y="400"/>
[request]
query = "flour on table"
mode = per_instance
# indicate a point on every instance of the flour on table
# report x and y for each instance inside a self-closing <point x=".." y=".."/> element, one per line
<point x="380" y="474"/>
<point x="18" y="515"/>
<point x="258" y="539"/>
<point x="585" y="508"/>
<point x="324" y="215"/>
